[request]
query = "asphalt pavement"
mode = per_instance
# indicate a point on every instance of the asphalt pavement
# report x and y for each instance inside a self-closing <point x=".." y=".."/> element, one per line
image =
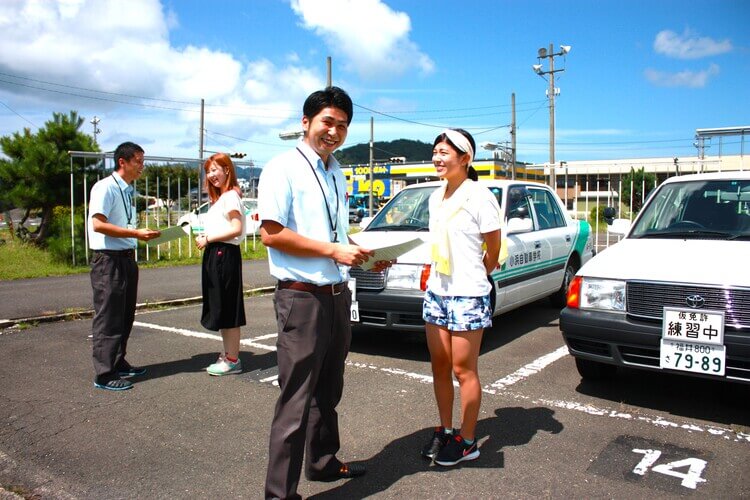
<point x="61" y="297"/>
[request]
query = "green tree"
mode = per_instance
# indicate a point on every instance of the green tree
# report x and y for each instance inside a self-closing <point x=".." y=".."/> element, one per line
<point x="36" y="175"/>
<point x="637" y="178"/>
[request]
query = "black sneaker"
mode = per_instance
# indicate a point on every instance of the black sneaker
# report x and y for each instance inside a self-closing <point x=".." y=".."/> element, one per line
<point x="127" y="370"/>
<point x="457" y="451"/>
<point x="117" y="384"/>
<point x="436" y="443"/>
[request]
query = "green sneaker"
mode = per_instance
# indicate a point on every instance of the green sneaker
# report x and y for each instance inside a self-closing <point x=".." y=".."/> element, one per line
<point x="224" y="367"/>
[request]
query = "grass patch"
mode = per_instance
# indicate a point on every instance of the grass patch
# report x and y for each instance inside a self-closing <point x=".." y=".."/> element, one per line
<point x="19" y="260"/>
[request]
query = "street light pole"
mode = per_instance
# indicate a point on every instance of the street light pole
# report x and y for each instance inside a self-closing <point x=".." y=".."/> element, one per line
<point x="543" y="53"/>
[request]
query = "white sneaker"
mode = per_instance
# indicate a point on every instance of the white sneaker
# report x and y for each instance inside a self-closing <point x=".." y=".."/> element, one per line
<point x="224" y="367"/>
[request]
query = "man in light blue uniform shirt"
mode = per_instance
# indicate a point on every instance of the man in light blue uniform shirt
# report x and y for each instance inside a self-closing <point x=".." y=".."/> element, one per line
<point x="305" y="221"/>
<point x="114" y="272"/>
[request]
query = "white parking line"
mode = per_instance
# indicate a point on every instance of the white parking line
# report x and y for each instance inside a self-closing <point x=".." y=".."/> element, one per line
<point x="203" y="335"/>
<point x="498" y="387"/>
<point x="526" y="371"/>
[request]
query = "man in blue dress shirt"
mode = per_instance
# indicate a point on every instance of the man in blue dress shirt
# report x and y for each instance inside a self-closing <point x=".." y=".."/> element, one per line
<point x="114" y="272"/>
<point x="305" y="221"/>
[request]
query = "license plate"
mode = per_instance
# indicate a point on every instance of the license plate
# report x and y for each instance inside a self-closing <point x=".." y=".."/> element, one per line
<point x="693" y="341"/>
<point x="691" y="325"/>
<point x="695" y="357"/>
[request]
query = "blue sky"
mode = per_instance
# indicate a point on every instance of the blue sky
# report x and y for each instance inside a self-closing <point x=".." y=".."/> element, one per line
<point x="639" y="79"/>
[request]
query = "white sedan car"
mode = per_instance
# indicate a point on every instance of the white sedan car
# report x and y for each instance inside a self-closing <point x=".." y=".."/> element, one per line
<point x="545" y="249"/>
<point x="195" y="217"/>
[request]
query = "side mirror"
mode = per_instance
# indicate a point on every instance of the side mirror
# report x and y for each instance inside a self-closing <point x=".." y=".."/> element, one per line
<point x="619" y="227"/>
<point x="518" y="225"/>
<point x="609" y="215"/>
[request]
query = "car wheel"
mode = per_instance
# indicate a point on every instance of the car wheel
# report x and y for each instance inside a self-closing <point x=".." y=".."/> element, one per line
<point x="594" y="370"/>
<point x="560" y="297"/>
<point x="493" y="295"/>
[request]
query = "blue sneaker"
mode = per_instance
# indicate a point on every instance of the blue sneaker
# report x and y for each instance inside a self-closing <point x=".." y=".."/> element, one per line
<point x="117" y="384"/>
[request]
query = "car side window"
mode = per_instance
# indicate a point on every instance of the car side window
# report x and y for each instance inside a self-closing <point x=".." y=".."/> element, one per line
<point x="548" y="212"/>
<point x="518" y="203"/>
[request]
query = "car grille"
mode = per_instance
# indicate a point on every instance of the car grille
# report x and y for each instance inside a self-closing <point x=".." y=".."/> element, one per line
<point x="647" y="300"/>
<point x="368" y="280"/>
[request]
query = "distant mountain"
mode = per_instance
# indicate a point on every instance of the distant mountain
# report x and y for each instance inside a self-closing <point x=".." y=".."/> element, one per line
<point x="383" y="151"/>
<point x="248" y="172"/>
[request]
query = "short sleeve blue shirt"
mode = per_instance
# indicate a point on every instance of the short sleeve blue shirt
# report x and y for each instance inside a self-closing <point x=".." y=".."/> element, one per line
<point x="288" y="193"/>
<point x="113" y="198"/>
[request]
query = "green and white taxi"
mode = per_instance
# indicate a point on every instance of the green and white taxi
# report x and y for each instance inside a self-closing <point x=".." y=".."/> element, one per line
<point x="545" y="248"/>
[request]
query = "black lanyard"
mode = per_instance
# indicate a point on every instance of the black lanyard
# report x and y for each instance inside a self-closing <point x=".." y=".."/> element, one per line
<point x="333" y="222"/>
<point x="128" y="209"/>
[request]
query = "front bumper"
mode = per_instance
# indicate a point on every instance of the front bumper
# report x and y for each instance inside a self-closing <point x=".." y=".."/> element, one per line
<point x="617" y="339"/>
<point x="391" y="309"/>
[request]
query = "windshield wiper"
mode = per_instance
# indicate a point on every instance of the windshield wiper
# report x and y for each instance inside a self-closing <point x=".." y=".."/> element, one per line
<point x="402" y="227"/>
<point x="687" y="234"/>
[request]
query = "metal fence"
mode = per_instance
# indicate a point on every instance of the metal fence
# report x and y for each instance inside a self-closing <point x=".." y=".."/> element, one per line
<point x="169" y="189"/>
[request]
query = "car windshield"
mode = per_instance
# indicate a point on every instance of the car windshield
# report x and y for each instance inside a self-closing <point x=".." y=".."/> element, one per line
<point x="697" y="209"/>
<point x="407" y="211"/>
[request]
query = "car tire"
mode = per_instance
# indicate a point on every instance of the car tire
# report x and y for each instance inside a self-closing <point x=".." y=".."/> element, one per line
<point x="594" y="370"/>
<point x="493" y="295"/>
<point x="560" y="297"/>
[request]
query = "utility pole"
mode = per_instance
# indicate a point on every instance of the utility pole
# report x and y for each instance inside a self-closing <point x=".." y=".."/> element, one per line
<point x="200" y="158"/>
<point x="543" y="53"/>
<point x="328" y="71"/>
<point x="513" y="136"/>
<point x="372" y="162"/>
<point x="95" y="121"/>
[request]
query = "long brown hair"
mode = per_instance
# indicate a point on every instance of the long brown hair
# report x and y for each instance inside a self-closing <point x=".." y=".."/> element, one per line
<point x="222" y="160"/>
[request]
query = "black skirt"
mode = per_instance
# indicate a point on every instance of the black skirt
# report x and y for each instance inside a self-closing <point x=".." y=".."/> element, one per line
<point x="221" y="277"/>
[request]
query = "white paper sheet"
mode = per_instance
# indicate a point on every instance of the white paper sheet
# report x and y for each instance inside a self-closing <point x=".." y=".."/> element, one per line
<point x="169" y="234"/>
<point x="389" y="252"/>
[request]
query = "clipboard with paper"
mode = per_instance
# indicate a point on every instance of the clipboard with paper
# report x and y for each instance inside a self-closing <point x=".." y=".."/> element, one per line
<point x="390" y="252"/>
<point x="169" y="234"/>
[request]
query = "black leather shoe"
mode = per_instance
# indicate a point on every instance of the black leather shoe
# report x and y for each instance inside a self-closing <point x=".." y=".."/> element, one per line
<point x="351" y="470"/>
<point x="346" y="471"/>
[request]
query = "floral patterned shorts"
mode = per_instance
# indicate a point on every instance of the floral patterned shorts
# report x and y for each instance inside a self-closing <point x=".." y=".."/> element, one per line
<point x="457" y="313"/>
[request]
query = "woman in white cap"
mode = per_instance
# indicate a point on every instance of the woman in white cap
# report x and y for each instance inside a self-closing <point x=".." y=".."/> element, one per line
<point x="465" y="234"/>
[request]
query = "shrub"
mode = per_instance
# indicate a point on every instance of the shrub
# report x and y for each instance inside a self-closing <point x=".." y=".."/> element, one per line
<point x="596" y="217"/>
<point x="59" y="241"/>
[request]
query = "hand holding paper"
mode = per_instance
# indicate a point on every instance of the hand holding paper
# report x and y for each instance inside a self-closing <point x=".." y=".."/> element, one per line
<point x="170" y="233"/>
<point x="391" y="252"/>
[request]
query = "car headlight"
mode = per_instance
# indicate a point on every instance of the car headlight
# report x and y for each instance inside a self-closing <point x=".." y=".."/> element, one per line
<point x="608" y="295"/>
<point x="405" y="276"/>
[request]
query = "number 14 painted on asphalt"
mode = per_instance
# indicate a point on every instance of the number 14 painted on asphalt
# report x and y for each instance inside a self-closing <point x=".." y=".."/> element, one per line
<point x="690" y="479"/>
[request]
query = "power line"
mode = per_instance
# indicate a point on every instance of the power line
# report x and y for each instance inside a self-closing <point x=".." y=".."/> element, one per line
<point x="19" y="115"/>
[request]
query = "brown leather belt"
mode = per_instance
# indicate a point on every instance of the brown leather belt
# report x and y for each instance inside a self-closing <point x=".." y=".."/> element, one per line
<point x="117" y="253"/>
<point x="301" y="286"/>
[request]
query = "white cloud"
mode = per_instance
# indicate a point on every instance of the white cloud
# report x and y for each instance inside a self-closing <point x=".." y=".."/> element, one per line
<point x="689" y="45"/>
<point x="372" y="38"/>
<point x="123" y="47"/>
<point x="687" y="78"/>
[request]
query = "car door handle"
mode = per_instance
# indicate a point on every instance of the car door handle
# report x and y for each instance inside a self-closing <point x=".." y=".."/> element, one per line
<point x="537" y="244"/>
<point x="567" y="238"/>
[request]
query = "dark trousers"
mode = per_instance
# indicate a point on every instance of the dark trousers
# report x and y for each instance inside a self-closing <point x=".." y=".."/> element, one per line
<point x="313" y="342"/>
<point x="114" y="280"/>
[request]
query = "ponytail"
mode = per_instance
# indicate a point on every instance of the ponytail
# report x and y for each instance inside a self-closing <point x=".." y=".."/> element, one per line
<point x="472" y="173"/>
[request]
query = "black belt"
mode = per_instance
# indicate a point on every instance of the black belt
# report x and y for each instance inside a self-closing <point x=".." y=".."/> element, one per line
<point x="301" y="286"/>
<point x="117" y="253"/>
